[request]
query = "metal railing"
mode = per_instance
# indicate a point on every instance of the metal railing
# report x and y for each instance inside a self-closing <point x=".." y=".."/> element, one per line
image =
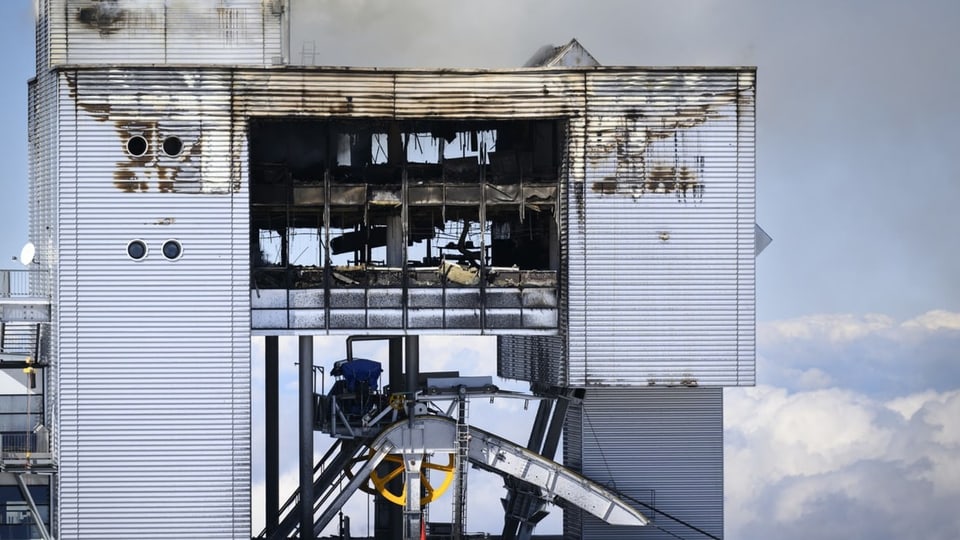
<point x="17" y="283"/>
<point x="21" y="443"/>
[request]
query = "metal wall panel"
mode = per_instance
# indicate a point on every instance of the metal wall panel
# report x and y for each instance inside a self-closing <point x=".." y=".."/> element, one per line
<point x="155" y="366"/>
<point x="133" y="32"/>
<point x="660" y="446"/>
<point x="657" y="276"/>
<point x="488" y="94"/>
<point x="43" y="148"/>
<point x="657" y="258"/>
<point x="532" y="358"/>
<point x="664" y="218"/>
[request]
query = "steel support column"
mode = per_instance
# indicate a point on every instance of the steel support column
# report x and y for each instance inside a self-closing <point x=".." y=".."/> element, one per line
<point x="413" y="373"/>
<point x="306" y="437"/>
<point x="272" y="431"/>
<point x="388" y="517"/>
<point x="32" y="507"/>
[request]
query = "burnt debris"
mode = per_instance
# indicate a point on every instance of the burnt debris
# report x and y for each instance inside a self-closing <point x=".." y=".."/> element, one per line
<point x="359" y="203"/>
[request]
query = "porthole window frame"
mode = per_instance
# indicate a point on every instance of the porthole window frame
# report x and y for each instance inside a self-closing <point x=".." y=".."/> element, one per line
<point x="163" y="146"/>
<point x="146" y="146"/>
<point x="179" y="249"/>
<point x="146" y="250"/>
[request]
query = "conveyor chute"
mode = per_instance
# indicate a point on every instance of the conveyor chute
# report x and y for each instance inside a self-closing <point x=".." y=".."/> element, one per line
<point x="427" y="435"/>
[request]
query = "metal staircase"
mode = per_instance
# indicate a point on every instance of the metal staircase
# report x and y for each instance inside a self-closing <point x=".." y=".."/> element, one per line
<point x="329" y="473"/>
<point x="24" y="319"/>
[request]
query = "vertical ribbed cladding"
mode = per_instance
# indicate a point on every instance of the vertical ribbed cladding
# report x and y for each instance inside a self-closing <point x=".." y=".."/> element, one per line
<point x="133" y="32"/>
<point x="574" y="242"/>
<point x="42" y="137"/>
<point x="275" y="18"/>
<point x="67" y="307"/>
<point x="51" y="34"/>
<point x="660" y="446"/>
<point x="667" y="201"/>
<point x="313" y="94"/>
<point x="357" y="93"/>
<point x="746" y="273"/>
<point x="532" y="358"/>
<point x="155" y="360"/>
<point x="486" y="94"/>
<point x="573" y="459"/>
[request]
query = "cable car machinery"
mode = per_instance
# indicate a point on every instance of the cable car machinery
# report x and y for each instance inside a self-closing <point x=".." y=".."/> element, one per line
<point x="389" y="439"/>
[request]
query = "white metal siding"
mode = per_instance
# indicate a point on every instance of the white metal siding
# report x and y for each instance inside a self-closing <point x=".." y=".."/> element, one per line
<point x="42" y="130"/>
<point x="659" y="191"/>
<point x="155" y="355"/>
<point x="134" y="32"/>
<point x="155" y="367"/>
<point x="660" y="446"/>
<point x="664" y="224"/>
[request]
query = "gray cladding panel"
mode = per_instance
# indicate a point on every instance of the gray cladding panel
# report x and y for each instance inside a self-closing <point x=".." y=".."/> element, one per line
<point x="155" y="367"/>
<point x="532" y="358"/>
<point x="239" y="32"/>
<point x="656" y="282"/>
<point x="660" y="446"/>
<point x="661" y="278"/>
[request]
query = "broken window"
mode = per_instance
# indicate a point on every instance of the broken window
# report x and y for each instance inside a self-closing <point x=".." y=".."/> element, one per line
<point x="418" y="203"/>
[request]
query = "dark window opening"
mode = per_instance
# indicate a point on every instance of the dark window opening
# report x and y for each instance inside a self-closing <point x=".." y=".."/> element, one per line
<point x="137" y="250"/>
<point x="137" y="145"/>
<point x="172" y="250"/>
<point x="172" y="146"/>
<point x="360" y="203"/>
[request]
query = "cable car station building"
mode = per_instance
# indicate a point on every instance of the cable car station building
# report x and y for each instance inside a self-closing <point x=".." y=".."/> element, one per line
<point x="190" y="189"/>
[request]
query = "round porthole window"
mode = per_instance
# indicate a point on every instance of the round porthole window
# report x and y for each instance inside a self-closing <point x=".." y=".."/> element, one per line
<point x="172" y="250"/>
<point x="137" y="146"/>
<point x="137" y="250"/>
<point x="172" y="146"/>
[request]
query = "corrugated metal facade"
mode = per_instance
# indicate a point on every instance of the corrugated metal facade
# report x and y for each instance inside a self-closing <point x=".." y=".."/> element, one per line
<point x="664" y="292"/>
<point x="42" y="130"/>
<point x="133" y="32"/>
<point x="656" y="280"/>
<point x="662" y="447"/>
<point x="658" y="236"/>
<point x="659" y="188"/>
<point x="531" y="358"/>
<point x="154" y="354"/>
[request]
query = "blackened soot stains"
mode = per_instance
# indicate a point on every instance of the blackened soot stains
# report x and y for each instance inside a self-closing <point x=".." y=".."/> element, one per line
<point x="105" y="16"/>
<point x="164" y="182"/>
<point x="128" y="175"/>
<point x="659" y="180"/>
<point x="607" y="186"/>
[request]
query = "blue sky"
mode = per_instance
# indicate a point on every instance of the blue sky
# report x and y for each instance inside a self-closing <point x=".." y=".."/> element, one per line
<point x="849" y="432"/>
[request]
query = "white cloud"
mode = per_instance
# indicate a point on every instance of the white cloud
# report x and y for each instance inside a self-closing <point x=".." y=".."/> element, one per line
<point x="854" y="434"/>
<point x="833" y="328"/>
<point x="874" y="354"/>
<point x="935" y="320"/>
<point x="811" y="464"/>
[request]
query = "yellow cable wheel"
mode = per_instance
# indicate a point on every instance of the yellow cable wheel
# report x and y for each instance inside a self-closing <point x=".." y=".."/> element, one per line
<point x="431" y="493"/>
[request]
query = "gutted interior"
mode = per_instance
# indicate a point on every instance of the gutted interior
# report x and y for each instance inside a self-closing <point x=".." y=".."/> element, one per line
<point x="418" y="224"/>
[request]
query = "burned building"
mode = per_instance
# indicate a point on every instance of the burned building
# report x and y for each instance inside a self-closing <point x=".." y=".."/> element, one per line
<point x="190" y="188"/>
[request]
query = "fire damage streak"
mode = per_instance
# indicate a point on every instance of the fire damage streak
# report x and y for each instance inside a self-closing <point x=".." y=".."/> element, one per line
<point x="655" y="153"/>
<point x="154" y="151"/>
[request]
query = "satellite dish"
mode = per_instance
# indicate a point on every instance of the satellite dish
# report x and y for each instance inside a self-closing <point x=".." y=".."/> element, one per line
<point x="27" y="253"/>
